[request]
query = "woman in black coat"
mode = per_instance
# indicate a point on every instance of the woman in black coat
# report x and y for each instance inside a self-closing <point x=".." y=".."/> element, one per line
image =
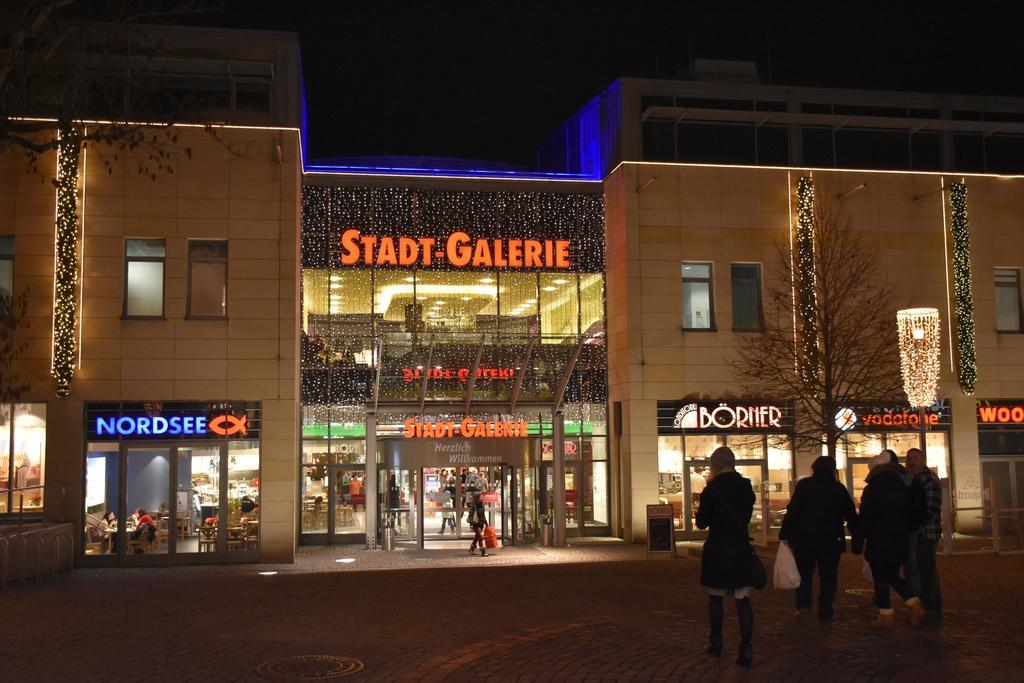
<point x="884" y="513"/>
<point x="726" y="505"/>
<point x="813" y="528"/>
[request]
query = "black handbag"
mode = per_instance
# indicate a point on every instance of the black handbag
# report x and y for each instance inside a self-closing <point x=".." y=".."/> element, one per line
<point x="758" y="576"/>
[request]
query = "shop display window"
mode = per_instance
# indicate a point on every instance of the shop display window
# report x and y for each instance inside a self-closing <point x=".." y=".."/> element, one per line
<point x="22" y="457"/>
<point x="101" y="491"/>
<point x="243" y="495"/>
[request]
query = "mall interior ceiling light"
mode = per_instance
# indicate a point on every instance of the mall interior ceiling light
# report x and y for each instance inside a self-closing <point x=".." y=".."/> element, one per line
<point x="549" y="288"/>
<point x="560" y="281"/>
<point x="487" y="280"/>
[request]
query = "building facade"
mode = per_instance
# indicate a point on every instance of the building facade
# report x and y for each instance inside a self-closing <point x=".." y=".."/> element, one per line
<point x="270" y="352"/>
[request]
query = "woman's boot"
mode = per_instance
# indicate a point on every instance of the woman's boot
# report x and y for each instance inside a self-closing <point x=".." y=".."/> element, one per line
<point x="884" y="620"/>
<point x="916" y="610"/>
<point x="715" y="620"/>
<point x="745" y="612"/>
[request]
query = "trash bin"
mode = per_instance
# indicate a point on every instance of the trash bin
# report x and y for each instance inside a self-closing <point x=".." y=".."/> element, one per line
<point x="546" y="532"/>
<point x="388" y="538"/>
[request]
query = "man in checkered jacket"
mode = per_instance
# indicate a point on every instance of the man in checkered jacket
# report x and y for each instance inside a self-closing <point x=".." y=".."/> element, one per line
<point x="922" y="575"/>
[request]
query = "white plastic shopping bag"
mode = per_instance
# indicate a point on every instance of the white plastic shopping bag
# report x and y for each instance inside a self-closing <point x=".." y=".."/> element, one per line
<point x="866" y="570"/>
<point x="787" y="576"/>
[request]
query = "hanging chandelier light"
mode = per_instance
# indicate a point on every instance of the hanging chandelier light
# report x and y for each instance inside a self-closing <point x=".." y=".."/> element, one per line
<point x="919" y="354"/>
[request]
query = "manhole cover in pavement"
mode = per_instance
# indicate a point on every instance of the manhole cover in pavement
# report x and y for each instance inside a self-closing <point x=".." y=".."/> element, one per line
<point x="310" y="667"/>
<point x="860" y="591"/>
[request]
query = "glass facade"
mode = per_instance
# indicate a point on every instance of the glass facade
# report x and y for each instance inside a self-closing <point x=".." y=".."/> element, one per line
<point x="452" y="299"/>
<point x="187" y="490"/>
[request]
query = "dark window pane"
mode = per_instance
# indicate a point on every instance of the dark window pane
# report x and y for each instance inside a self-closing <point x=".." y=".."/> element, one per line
<point x="746" y="296"/>
<point x="708" y="103"/>
<point x="924" y="113"/>
<point x="659" y="142"/>
<point x="144" y="248"/>
<point x="964" y="115"/>
<point x="1004" y="153"/>
<point x="968" y="152"/>
<point x="773" y="145"/>
<point x="926" y="151"/>
<point x="1013" y="116"/>
<point x="252" y="97"/>
<point x="208" y="249"/>
<point x="818" y="146"/>
<point x="1007" y="299"/>
<point x="992" y="442"/>
<point x="871" y="149"/>
<point x="815" y="108"/>
<point x="715" y="143"/>
<point x="655" y="101"/>
<point x="866" y="110"/>
<point x="207" y="290"/>
<point x="762" y="105"/>
<point x="7" y="245"/>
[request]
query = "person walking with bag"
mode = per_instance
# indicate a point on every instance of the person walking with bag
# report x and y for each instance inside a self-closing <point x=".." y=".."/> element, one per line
<point x="884" y="520"/>
<point x="477" y="518"/>
<point x="813" y="529"/>
<point x="727" y="564"/>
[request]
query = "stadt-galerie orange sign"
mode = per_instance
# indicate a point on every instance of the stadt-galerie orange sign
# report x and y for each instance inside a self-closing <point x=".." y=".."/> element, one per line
<point x="459" y="250"/>
<point x="467" y="428"/>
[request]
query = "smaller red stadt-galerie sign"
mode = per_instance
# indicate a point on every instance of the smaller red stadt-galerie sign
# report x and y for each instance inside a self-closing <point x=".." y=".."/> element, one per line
<point x="459" y="251"/>
<point x="467" y="428"/>
<point x="411" y="374"/>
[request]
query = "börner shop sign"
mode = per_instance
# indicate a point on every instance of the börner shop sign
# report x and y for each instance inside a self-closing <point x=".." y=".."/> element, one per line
<point x="723" y="416"/>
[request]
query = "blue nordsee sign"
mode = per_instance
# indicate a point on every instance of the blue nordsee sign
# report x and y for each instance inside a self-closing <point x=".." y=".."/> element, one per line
<point x="178" y="425"/>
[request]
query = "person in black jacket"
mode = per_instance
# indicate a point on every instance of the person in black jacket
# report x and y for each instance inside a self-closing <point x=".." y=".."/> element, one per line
<point x="813" y="528"/>
<point x="726" y="505"/>
<point x="884" y="514"/>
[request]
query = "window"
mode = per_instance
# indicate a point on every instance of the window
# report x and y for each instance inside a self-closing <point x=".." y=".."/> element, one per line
<point x="1008" y="313"/>
<point x="22" y="457"/>
<point x="698" y="311"/>
<point x="144" y="279"/>
<point x="6" y="267"/>
<point x="746" y="296"/>
<point x="207" y="278"/>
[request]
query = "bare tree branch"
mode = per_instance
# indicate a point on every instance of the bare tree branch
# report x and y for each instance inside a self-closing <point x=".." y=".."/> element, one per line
<point x="855" y="335"/>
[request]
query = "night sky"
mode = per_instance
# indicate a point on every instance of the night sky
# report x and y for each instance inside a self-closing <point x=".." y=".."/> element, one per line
<point x="488" y="80"/>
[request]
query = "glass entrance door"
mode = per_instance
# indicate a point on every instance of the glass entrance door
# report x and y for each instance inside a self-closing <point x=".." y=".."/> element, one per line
<point x="446" y="496"/>
<point x="856" y="473"/>
<point x="146" y="502"/>
<point x="347" y="519"/>
<point x="574" y="484"/>
<point x="400" y="493"/>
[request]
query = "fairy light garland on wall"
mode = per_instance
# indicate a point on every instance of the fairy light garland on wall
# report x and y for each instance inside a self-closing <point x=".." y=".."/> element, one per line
<point x="66" y="245"/>
<point x="963" y="296"/>
<point x="803" y="276"/>
<point x="327" y="212"/>
<point x="919" y="354"/>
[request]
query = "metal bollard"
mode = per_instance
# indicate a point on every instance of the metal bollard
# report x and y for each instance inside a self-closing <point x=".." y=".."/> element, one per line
<point x="4" y="559"/>
<point x="388" y="538"/>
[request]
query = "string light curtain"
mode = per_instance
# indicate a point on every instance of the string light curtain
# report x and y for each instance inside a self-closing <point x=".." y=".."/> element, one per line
<point x="963" y="296"/>
<point x="66" y="237"/>
<point x="803" y="277"/>
<point x="919" y="354"/>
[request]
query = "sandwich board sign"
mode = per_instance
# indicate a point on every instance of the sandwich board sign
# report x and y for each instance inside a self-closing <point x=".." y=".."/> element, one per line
<point x="661" y="536"/>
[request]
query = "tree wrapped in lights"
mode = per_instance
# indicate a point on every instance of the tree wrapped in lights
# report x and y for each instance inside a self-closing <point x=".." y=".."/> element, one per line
<point x="806" y="297"/>
<point x="963" y="296"/>
<point x="821" y="286"/>
<point x="919" y="354"/>
<point x="65" y="263"/>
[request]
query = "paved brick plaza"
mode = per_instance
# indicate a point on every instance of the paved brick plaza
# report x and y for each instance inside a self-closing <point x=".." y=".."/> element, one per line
<point x="594" y="613"/>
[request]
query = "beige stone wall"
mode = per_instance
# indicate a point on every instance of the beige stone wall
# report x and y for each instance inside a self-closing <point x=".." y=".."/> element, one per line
<point x="725" y="215"/>
<point x="237" y="184"/>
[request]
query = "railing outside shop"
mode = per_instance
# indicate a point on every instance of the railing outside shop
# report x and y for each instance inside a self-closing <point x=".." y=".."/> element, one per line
<point x="37" y="550"/>
<point x="988" y="529"/>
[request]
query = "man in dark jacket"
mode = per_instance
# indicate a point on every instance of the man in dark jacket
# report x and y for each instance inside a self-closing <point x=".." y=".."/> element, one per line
<point x="884" y="512"/>
<point x="922" y="575"/>
<point x="726" y="506"/>
<point x="813" y="527"/>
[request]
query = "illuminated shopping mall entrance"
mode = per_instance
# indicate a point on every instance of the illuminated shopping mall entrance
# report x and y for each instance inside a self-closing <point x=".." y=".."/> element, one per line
<point x="426" y="496"/>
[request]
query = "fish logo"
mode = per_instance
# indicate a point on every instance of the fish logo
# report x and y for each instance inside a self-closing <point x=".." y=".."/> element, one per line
<point x="228" y="425"/>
